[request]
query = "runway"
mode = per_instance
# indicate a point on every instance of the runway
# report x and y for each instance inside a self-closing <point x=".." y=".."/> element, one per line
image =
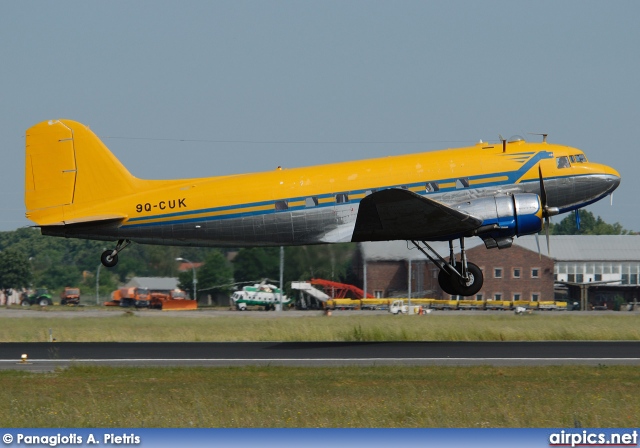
<point x="49" y="356"/>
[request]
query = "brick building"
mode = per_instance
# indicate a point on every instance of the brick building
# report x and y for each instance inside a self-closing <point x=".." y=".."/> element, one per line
<point x="517" y="273"/>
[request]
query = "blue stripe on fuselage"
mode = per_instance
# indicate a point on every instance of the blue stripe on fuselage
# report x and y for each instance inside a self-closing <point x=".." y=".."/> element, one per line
<point x="512" y="178"/>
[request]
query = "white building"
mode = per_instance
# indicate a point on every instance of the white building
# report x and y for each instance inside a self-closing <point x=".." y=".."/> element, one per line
<point x="592" y="258"/>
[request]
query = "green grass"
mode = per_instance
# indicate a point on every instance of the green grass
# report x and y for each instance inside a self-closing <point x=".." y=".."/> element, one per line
<point x="86" y="396"/>
<point x="118" y="326"/>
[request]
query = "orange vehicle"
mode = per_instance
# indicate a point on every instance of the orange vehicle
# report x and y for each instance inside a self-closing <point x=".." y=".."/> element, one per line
<point x="171" y="300"/>
<point x="70" y="296"/>
<point x="126" y="297"/>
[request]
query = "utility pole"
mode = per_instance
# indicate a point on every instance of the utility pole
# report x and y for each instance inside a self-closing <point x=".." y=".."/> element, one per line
<point x="98" y="284"/>
<point x="279" y="308"/>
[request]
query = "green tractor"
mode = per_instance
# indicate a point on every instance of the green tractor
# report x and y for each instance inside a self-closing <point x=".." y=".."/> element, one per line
<point x="40" y="297"/>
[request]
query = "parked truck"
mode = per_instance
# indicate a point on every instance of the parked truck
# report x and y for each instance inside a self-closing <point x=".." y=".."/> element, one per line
<point x="400" y="307"/>
<point x="128" y="297"/>
<point x="70" y="296"/>
<point x="171" y="300"/>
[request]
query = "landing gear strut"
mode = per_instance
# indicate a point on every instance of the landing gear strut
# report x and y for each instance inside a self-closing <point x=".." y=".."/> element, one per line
<point x="458" y="278"/>
<point x="109" y="258"/>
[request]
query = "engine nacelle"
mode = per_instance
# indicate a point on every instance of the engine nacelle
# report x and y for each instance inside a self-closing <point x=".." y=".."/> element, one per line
<point x="505" y="217"/>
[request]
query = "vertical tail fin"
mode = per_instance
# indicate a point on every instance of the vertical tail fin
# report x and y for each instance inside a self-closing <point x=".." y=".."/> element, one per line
<point x="69" y="168"/>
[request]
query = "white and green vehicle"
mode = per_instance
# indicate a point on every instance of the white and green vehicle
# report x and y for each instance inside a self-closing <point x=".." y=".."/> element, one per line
<point x="264" y="295"/>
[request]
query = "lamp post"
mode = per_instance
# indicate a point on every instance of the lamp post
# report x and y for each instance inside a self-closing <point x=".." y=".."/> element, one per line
<point x="195" y="281"/>
<point x="98" y="281"/>
<point x="98" y="284"/>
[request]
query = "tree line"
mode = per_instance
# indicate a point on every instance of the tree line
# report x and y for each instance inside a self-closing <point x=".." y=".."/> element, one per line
<point x="30" y="260"/>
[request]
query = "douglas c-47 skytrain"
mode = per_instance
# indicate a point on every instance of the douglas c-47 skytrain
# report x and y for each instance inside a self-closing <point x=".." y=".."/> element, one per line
<point x="76" y="188"/>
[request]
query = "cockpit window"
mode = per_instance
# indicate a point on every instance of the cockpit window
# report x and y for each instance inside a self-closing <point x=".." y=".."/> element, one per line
<point x="563" y="162"/>
<point x="580" y="158"/>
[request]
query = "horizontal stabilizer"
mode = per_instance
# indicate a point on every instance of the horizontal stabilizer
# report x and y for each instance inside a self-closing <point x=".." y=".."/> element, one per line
<point x="95" y="219"/>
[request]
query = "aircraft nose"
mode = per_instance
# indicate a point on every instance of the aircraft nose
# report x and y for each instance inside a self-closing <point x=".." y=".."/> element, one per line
<point x="612" y="178"/>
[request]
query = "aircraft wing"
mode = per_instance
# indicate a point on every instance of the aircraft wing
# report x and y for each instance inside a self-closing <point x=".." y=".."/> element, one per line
<point x="397" y="214"/>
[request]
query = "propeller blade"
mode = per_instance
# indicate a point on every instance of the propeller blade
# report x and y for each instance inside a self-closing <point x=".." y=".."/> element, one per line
<point x="578" y="219"/>
<point x="547" y="223"/>
<point x="543" y="192"/>
<point x="538" y="244"/>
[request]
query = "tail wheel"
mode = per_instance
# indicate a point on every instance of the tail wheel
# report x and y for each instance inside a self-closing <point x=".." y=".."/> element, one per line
<point x="109" y="260"/>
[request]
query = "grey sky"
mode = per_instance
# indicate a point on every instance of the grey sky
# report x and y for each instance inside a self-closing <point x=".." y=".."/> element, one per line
<point x="260" y="84"/>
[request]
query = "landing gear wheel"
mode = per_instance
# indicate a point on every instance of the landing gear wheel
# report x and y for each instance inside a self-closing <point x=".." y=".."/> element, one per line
<point x="108" y="260"/>
<point x="446" y="283"/>
<point x="473" y="283"/>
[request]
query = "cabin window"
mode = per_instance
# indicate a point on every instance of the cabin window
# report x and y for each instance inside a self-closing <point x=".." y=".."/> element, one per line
<point x="563" y="162"/>
<point x="311" y="202"/>
<point x="342" y="198"/>
<point x="282" y="205"/>
<point x="431" y="187"/>
<point x="463" y="182"/>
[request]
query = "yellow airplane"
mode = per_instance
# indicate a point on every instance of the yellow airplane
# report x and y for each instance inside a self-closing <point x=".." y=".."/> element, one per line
<point x="75" y="187"/>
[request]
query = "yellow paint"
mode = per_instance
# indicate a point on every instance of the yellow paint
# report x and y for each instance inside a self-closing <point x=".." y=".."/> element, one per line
<point x="488" y="179"/>
<point x="71" y="176"/>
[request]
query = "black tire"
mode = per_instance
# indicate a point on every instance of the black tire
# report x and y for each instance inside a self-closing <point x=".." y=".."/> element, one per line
<point x="107" y="260"/>
<point x="25" y="302"/>
<point x="63" y="302"/>
<point x="446" y="283"/>
<point x="44" y="301"/>
<point x="473" y="284"/>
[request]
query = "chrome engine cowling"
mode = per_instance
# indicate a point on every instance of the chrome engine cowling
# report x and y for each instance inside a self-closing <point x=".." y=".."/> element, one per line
<point x="505" y="217"/>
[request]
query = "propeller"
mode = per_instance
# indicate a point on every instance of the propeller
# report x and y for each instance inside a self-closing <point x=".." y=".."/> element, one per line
<point x="547" y="211"/>
<point x="578" y="219"/>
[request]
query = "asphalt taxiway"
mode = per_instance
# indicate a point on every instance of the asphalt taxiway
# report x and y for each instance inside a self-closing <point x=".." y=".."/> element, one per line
<point x="49" y="356"/>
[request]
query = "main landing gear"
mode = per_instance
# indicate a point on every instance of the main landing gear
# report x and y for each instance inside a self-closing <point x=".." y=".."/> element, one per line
<point x="458" y="278"/>
<point x="109" y="258"/>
